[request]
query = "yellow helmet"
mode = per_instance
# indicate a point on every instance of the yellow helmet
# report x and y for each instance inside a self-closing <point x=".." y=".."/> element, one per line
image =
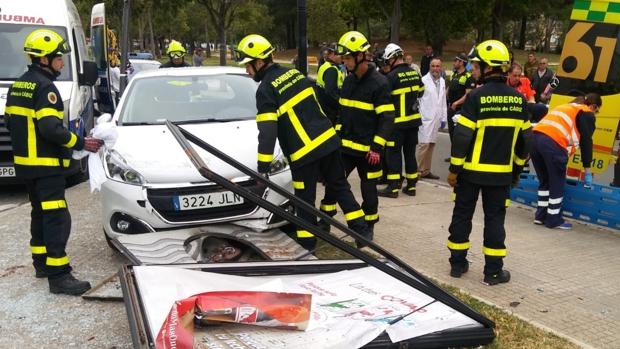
<point x="176" y="46"/>
<point x="253" y="47"/>
<point x="492" y="52"/>
<point x="44" y="42"/>
<point x="351" y="42"/>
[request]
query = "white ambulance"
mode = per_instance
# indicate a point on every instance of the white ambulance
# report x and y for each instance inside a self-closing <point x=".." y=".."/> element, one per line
<point x="18" y="18"/>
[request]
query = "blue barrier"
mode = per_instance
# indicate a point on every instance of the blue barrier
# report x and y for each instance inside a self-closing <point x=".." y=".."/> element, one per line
<point x="599" y="205"/>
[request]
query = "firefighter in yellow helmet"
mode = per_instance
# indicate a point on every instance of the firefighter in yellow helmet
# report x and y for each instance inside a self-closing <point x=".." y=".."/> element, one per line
<point x="288" y="111"/>
<point x="176" y="51"/>
<point x="491" y="141"/>
<point x="42" y="148"/>
<point x="366" y="120"/>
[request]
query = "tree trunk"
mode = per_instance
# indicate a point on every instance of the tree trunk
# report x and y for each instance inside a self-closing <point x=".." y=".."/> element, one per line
<point x="208" y="49"/>
<point x="141" y="32"/>
<point x="221" y="34"/>
<point x="354" y="23"/>
<point x="395" y="27"/>
<point x="550" y="23"/>
<point x="368" y="30"/>
<point x="496" y="25"/>
<point x="522" y="33"/>
<point x="149" y="19"/>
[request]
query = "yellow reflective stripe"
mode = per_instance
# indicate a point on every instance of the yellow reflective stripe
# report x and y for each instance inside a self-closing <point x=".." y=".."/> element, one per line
<point x="499" y="122"/>
<point x="311" y="145"/>
<point x="53" y="205"/>
<point x="390" y="143"/>
<point x="326" y="207"/>
<point x="400" y="91"/>
<point x="379" y="140"/>
<point x="407" y="118"/>
<point x="495" y="252"/>
<point x="371" y="217"/>
<point x="33" y="161"/>
<point x="266" y="117"/>
<point x="299" y="129"/>
<point x="385" y="107"/>
<point x="19" y="111"/>
<point x="354" y="215"/>
<point x="462" y="120"/>
<point x="453" y="196"/>
<point x="38" y="249"/>
<point x="355" y="146"/>
<point x="304" y="234"/>
<point x="338" y="127"/>
<point x="411" y="175"/>
<point x="458" y="246"/>
<point x="41" y="113"/>
<point x="32" y="144"/>
<point x="526" y="125"/>
<point x="519" y="161"/>
<point x="487" y="167"/>
<point x="298" y="185"/>
<point x="477" y="151"/>
<point x="373" y="175"/>
<point x="72" y="141"/>
<point x="57" y="262"/>
<point x="393" y="176"/>
<point x="507" y="203"/>
<point x="284" y="108"/>
<point x="66" y="162"/>
<point x="355" y="104"/>
<point x="265" y="157"/>
<point x="457" y="161"/>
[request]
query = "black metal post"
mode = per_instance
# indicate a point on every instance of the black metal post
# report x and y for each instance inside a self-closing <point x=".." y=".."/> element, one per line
<point x="125" y="45"/>
<point x="302" y="44"/>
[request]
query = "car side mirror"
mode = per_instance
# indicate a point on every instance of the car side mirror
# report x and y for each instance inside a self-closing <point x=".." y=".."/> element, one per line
<point x="89" y="75"/>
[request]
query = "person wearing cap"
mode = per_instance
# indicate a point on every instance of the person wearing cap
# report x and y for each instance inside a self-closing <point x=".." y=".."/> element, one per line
<point x="366" y="119"/>
<point x="176" y="52"/>
<point x="329" y="82"/>
<point x="42" y="148"/>
<point x="459" y="86"/>
<point x="491" y="142"/>
<point x="288" y="112"/>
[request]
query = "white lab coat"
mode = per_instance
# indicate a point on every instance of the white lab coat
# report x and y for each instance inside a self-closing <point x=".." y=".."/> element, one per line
<point x="433" y="109"/>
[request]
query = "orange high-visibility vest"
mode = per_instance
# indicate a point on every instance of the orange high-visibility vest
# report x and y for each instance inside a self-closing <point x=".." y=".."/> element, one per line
<point x="560" y="124"/>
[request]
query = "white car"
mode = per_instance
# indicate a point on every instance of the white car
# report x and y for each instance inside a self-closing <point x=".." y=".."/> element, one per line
<point x="153" y="186"/>
<point x="139" y="65"/>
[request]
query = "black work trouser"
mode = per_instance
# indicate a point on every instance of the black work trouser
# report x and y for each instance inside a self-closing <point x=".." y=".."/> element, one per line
<point x="495" y="199"/>
<point x="50" y="225"/>
<point x="337" y="190"/>
<point x="405" y="141"/>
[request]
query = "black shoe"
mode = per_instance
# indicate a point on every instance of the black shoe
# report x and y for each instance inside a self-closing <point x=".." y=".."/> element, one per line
<point x="499" y="278"/>
<point x="307" y="243"/>
<point x="369" y="234"/>
<point x="68" y="284"/>
<point x="459" y="269"/>
<point x="409" y="191"/>
<point x="323" y="225"/>
<point x="388" y="192"/>
<point x="40" y="274"/>
<point x="430" y="176"/>
<point x="446" y="160"/>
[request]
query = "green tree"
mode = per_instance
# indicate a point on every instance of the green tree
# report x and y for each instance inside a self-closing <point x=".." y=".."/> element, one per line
<point x="324" y="24"/>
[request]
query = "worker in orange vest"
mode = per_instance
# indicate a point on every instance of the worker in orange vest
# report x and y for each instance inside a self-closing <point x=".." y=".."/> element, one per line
<point x="556" y="137"/>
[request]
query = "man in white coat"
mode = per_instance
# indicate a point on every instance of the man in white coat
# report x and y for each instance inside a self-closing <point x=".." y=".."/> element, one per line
<point x="433" y="109"/>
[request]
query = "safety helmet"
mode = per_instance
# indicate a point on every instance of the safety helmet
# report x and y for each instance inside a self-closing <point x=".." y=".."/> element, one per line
<point x="45" y="42"/>
<point x="253" y="47"/>
<point x="352" y="42"/>
<point x="493" y="53"/>
<point x="392" y="51"/>
<point x="175" y="49"/>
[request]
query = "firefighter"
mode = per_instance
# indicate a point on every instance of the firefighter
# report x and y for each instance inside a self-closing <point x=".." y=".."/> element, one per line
<point x="460" y="85"/>
<point x="556" y="137"/>
<point x="366" y="120"/>
<point x="42" y="148"/>
<point x="288" y="111"/>
<point x="491" y="142"/>
<point x="406" y="86"/>
<point x="329" y="82"/>
<point x="176" y="52"/>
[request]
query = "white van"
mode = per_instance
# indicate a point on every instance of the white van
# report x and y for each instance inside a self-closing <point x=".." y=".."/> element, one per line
<point x="17" y="20"/>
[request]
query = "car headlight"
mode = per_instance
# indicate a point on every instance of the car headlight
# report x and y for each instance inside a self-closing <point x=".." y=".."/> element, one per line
<point x="118" y="169"/>
<point x="278" y="165"/>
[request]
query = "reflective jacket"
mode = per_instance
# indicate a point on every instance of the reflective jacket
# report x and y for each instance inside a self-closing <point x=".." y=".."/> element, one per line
<point x="560" y="124"/>
<point x="329" y="82"/>
<point x="492" y="136"/>
<point x="34" y="116"/>
<point x="406" y="87"/>
<point x="366" y="113"/>
<point x="288" y="110"/>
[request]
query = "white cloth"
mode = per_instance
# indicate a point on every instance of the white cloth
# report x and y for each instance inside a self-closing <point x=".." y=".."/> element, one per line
<point x="433" y="109"/>
<point x="115" y="79"/>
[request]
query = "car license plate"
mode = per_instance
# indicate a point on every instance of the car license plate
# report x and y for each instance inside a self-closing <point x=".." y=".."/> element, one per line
<point x="198" y="201"/>
<point x="7" y="171"/>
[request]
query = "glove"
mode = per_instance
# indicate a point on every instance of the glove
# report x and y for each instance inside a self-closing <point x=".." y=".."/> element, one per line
<point x="452" y="179"/>
<point x="587" y="180"/>
<point x="373" y="157"/>
<point x="92" y="144"/>
<point x="442" y="125"/>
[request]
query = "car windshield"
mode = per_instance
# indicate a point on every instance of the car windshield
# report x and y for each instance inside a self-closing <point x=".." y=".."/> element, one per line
<point x="139" y="66"/>
<point x="13" y="61"/>
<point x="185" y="99"/>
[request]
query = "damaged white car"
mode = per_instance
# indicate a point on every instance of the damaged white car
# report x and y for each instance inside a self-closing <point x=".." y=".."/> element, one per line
<point x="152" y="184"/>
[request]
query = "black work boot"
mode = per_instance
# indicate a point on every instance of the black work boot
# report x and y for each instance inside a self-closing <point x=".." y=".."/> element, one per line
<point x="409" y="190"/>
<point x="456" y="270"/>
<point x="368" y="233"/>
<point x="391" y="191"/>
<point x="68" y="284"/>
<point x="499" y="278"/>
<point x="40" y="273"/>
<point x="307" y="243"/>
<point x="324" y="225"/>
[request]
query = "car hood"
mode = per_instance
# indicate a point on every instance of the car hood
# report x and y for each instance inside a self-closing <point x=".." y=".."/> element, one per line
<point x="153" y="151"/>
